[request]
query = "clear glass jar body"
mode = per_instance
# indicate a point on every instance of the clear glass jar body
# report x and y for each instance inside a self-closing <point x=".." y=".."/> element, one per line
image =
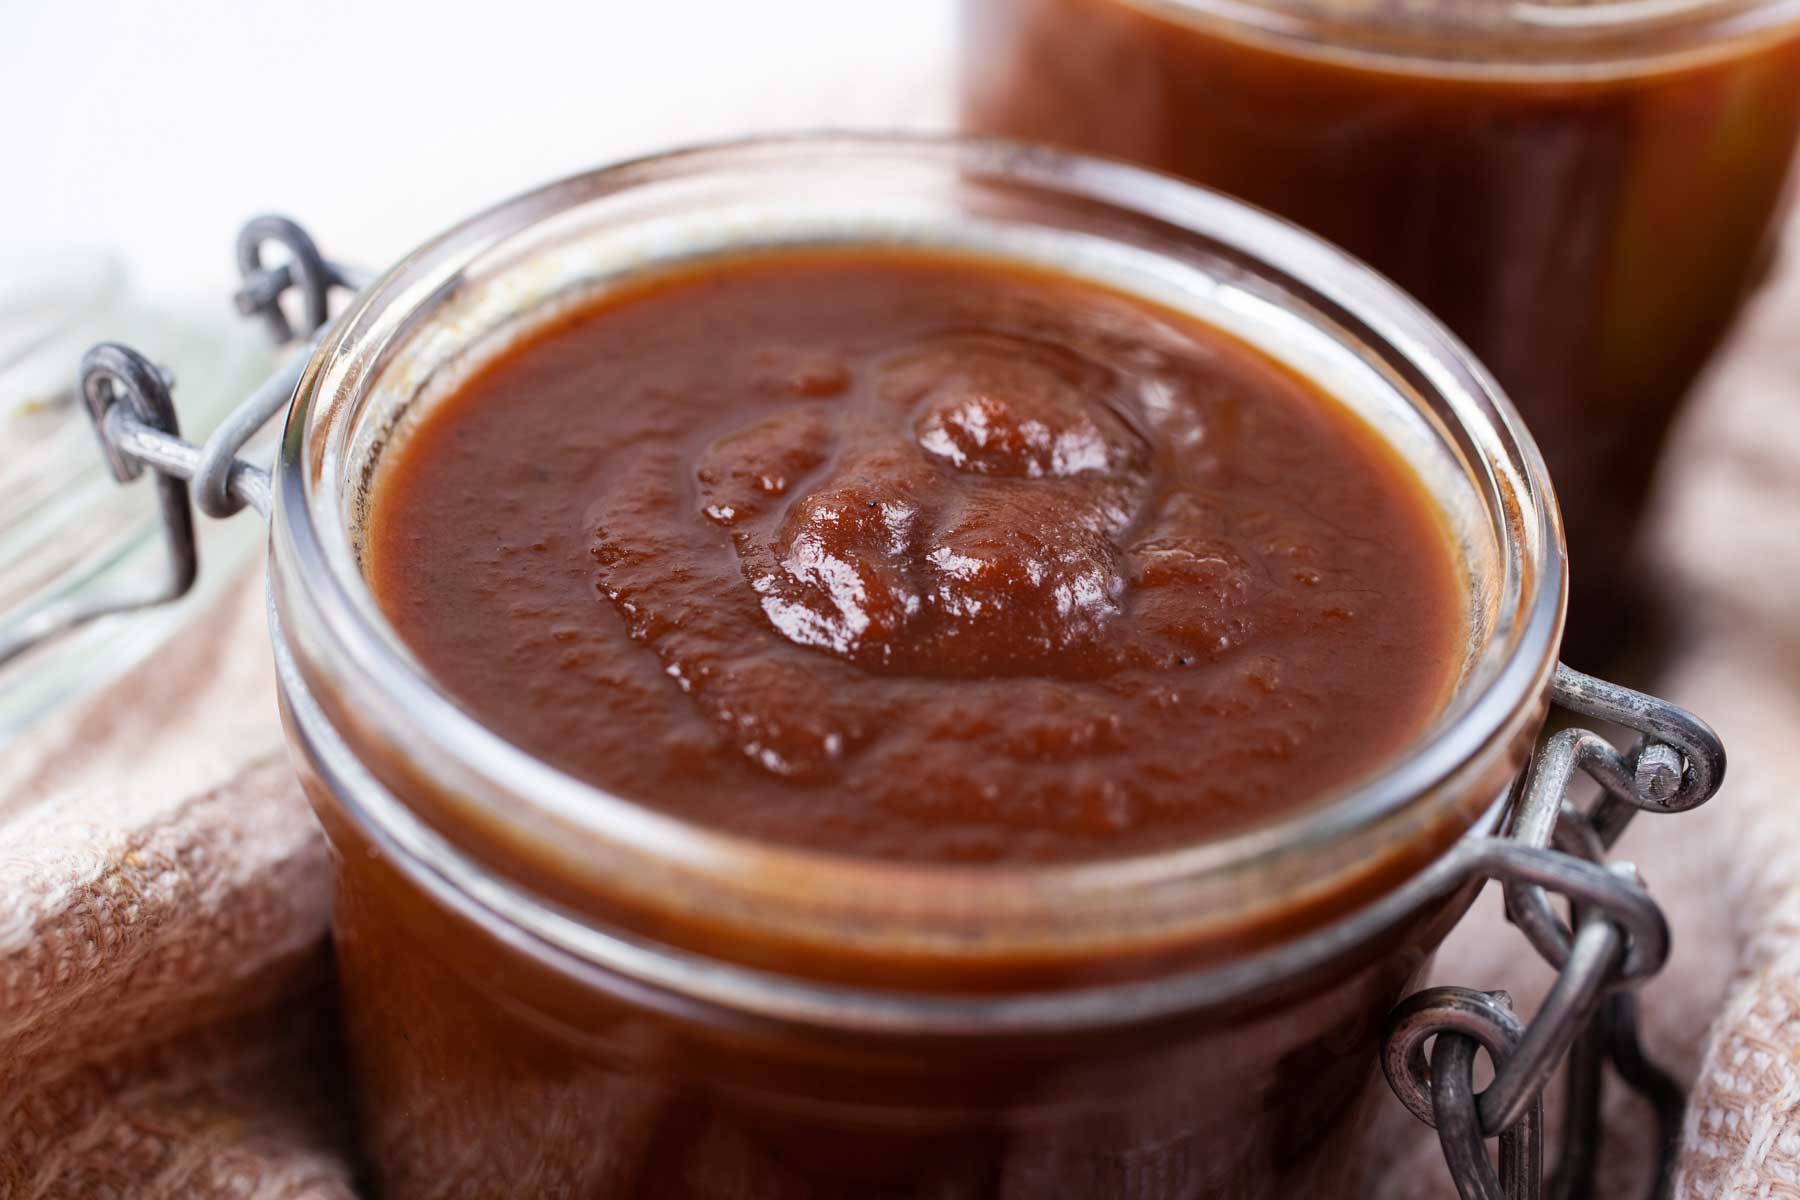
<point x="551" y="990"/>
<point x="1584" y="193"/>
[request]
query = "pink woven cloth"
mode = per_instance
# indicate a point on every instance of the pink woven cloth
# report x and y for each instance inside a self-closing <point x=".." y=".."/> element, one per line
<point x="166" y="1017"/>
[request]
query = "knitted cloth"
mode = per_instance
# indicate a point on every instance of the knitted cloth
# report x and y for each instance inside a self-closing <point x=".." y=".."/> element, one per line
<point x="166" y="1018"/>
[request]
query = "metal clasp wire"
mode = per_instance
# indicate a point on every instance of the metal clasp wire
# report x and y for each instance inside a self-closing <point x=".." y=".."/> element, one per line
<point x="1616" y="938"/>
<point x="128" y="401"/>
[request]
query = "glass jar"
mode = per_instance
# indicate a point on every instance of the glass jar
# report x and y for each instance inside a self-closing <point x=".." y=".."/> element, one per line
<point x="552" y="991"/>
<point x="1584" y="192"/>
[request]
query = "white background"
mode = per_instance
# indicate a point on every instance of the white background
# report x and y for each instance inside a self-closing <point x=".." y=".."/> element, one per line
<point x="155" y="127"/>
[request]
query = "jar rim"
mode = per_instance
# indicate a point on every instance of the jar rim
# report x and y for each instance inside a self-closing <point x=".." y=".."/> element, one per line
<point x="1495" y="40"/>
<point x="343" y="646"/>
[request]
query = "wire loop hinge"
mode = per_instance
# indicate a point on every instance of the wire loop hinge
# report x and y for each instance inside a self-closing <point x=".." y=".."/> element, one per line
<point x="128" y="400"/>
<point x="1615" y="937"/>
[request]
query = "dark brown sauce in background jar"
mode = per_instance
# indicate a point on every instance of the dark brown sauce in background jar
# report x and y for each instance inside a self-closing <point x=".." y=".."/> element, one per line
<point x="1588" y="213"/>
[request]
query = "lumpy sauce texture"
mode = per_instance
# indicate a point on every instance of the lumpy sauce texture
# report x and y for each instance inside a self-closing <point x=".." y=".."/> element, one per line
<point x="918" y="557"/>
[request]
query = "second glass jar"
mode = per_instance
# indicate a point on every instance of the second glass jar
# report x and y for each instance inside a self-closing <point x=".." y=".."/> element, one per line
<point x="1585" y="193"/>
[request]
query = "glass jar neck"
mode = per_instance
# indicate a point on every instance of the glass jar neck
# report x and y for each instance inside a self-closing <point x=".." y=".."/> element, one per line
<point x="584" y="859"/>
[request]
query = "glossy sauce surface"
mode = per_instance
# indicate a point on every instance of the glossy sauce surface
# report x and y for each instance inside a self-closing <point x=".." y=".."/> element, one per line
<point x="919" y="557"/>
<point x="1590" y="234"/>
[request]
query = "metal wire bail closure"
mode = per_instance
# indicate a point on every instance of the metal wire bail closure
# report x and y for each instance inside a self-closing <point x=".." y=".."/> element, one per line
<point x="128" y="401"/>
<point x="1458" y="1022"/>
<point x="305" y="269"/>
<point x="1616" y="938"/>
<point x="125" y="395"/>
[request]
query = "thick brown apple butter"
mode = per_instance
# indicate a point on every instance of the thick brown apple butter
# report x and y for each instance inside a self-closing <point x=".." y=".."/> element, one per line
<point x="920" y="557"/>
